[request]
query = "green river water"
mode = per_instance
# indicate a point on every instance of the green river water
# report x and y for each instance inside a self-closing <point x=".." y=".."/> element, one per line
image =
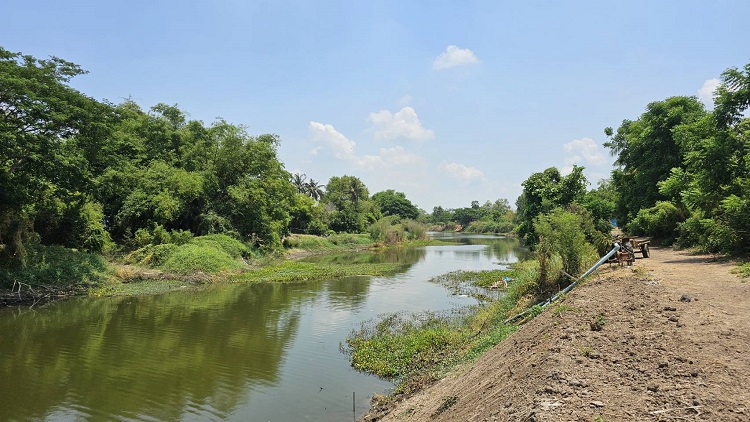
<point x="244" y="352"/>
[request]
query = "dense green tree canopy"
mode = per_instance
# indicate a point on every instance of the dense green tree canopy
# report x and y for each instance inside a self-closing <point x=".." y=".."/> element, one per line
<point x="646" y="152"/>
<point x="348" y="201"/>
<point x="683" y="172"/>
<point x="41" y="117"/>
<point x="391" y="202"/>
<point x="75" y="171"/>
<point x="545" y="191"/>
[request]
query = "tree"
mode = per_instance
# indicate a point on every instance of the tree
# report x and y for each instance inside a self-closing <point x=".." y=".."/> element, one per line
<point x="732" y="96"/>
<point x="314" y="189"/>
<point x="647" y="151"/>
<point x="351" y="209"/>
<point x="40" y="116"/>
<point x="712" y="188"/>
<point x="391" y="202"/>
<point x="544" y="191"/>
<point x="298" y="180"/>
<point x="601" y="203"/>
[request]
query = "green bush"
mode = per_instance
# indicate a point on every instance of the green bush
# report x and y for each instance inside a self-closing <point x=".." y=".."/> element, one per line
<point x="180" y="237"/>
<point x="726" y="232"/>
<point x="160" y="235"/>
<point x="415" y="230"/>
<point x="391" y="230"/>
<point x="561" y="236"/>
<point x="143" y="237"/>
<point x="659" y="221"/>
<point x="206" y="258"/>
<point x="58" y="267"/>
<point x="151" y="255"/>
<point x="228" y="244"/>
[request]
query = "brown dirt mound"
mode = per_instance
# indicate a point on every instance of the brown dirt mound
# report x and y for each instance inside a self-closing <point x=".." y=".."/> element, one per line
<point x="666" y="339"/>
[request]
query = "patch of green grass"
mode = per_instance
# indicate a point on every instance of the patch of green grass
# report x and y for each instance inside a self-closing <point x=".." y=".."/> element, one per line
<point x="430" y="242"/>
<point x="586" y="351"/>
<point x="141" y="288"/>
<point x="490" y="278"/>
<point x="287" y="271"/>
<point x="598" y="323"/>
<point x="561" y="308"/>
<point x="743" y="270"/>
<point x="490" y="339"/>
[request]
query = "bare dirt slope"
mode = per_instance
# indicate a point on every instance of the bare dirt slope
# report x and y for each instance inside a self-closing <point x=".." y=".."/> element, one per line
<point x="668" y="339"/>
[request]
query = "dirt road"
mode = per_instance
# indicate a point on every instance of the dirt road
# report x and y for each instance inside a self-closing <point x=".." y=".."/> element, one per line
<point x="668" y="339"/>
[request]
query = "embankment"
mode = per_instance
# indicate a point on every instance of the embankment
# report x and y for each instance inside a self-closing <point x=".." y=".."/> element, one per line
<point x="666" y="339"/>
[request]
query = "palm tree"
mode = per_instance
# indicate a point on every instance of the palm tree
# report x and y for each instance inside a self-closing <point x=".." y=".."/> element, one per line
<point x="299" y="182"/>
<point x="315" y="190"/>
<point x="356" y="190"/>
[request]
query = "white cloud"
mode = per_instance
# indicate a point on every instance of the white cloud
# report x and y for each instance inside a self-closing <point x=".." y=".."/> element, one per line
<point x="583" y="151"/>
<point x="706" y="93"/>
<point x="454" y="56"/>
<point x="404" y="124"/>
<point x="405" y="100"/>
<point x="465" y="173"/>
<point x="390" y="157"/>
<point x="343" y="147"/>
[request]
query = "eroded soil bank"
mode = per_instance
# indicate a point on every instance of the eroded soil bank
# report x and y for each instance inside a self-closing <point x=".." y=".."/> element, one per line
<point x="668" y="339"/>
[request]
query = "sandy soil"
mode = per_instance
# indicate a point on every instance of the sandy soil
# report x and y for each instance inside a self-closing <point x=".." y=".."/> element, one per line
<point x="666" y="339"/>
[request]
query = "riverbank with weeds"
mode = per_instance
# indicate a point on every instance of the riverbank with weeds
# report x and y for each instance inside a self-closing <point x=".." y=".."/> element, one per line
<point x="53" y="272"/>
<point x="664" y="339"/>
<point x="415" y="350"/>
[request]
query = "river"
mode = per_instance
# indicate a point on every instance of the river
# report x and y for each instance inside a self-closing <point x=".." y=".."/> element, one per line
<point x="243" y="352"/>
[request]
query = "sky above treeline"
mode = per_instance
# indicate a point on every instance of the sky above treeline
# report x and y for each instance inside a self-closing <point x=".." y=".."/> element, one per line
<point x="446" y="101"/>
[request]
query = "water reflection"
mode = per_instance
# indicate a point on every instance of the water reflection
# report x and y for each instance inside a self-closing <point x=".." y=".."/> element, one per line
<point x="230" y="352"/>
<point x="182" y="352"/>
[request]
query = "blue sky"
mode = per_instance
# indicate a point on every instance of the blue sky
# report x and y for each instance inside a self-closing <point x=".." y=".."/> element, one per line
<point x="446" y="101"/>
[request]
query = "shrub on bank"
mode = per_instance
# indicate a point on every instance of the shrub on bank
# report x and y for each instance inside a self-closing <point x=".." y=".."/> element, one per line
<point x="659" y="221"/>
<point x="207" y="258"/>
<point x="58" y="267"/>
<point x="210" y="253"/>
<point x="228" y="244"/>
<point x="350" y="239"/>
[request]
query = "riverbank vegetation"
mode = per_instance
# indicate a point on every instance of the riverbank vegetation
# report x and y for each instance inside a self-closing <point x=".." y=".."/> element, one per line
<point x="153" y="189"/>
<point x="416" y="349"/>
